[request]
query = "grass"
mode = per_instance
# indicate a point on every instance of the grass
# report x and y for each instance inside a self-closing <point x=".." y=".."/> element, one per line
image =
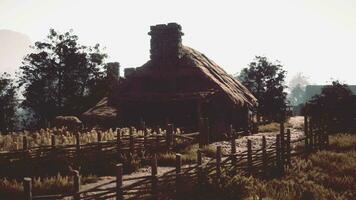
<point x="13" y="189"/>
<point x="189" y="155"/>
<point x="272" y="127"/>
<point x="342" y="142"/>
<point x="328" y="174"/>
<point x="42" y="137"/>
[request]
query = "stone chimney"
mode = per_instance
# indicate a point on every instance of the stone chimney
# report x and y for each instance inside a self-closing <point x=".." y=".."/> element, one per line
<point x="166" y="42"/>
<point x="113" y="70"/>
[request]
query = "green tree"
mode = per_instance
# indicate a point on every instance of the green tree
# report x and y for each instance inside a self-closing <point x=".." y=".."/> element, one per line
<point x="265" y="80"/>
<point x="62" y="77"/>
<point x="8" y="103"/>
<point x="335" y="106"/>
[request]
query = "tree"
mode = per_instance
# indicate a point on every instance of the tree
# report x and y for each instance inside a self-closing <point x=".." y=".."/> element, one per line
<point x="296" y="96"/>
<point x="61" y="77"/>
<point x="8" y="103"/>
<point x="265" y="80"/>
<point x="297" y="85"/>
<point x="335" y="106"/>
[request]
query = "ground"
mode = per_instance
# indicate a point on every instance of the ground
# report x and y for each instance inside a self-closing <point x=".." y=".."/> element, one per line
<point x="295" y="123"/>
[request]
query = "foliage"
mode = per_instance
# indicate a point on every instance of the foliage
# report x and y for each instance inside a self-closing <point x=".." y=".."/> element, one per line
<point x="13" y="189"/>
<point x="272" y="127"/>
<point x="334" y="106"/>
<point x="342" y="142"/>
<point x="189" y="155"/>
<point x="328" y="174"/>
<point x="62" y="77"/>
<point x="266" y="82"/>
<point x="8" y="103"/>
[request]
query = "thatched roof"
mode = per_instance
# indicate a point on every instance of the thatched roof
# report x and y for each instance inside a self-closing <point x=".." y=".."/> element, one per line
<point x="192" y="76"/>
<point x="101" y="111"/>
<point x="174" y="73"/>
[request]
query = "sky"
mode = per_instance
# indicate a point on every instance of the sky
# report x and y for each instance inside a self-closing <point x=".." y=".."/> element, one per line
<point x="315" y="37"/>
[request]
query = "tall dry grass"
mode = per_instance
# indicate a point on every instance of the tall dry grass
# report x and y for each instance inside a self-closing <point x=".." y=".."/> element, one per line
<point x="13" y="189"/>
<point x="328" y="174"/>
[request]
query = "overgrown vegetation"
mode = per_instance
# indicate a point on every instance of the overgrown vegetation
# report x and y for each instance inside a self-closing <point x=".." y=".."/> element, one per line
<point x="42" y="137"/>
<point x="189" y="155"/>
<point x="328" y="174"/>
<point x="272" y="127"/>
<point x="13" y="189"/>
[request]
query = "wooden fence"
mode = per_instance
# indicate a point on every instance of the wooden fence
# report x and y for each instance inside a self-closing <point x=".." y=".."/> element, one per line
<point x="124" y="144"/>
<point x="267" y="160"/>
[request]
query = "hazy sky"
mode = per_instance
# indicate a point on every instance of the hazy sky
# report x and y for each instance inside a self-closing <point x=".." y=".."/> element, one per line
<point x="316" y="37"/>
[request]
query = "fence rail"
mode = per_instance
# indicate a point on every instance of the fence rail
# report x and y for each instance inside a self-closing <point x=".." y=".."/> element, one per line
<point x="171" y="185"/>
<point x="125" y="144"/>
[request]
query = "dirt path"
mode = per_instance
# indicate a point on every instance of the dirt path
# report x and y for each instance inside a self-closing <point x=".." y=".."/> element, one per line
<point x="241" y="145"/>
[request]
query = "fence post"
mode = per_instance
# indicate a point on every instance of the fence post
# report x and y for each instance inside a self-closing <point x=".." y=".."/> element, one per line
<point x="281" y="127"/>
<point x="154" y="177"/>
<point x="99" y="140"/>
<point x="76" y="178"/>
<point x="118" y="145"/>
<point x="283" y="149"/>
<point x="315" y="139"/>
<point x="207" y="132"/>
<point x="201" y="132"/>
<point x="289" y="149"/>
<point x="327" y="138"/>
<point x="278" y="152"/>
<point x="144" y="130"/>
<point x="158" y="143"/>
<point x="27" y="185"/>
<point x="25" y="155"/>
<point x="218" y="164"/>
<point x="77" y="149"/>
<point x="77" y="142"/>
<point x="131" y="142"/>
<point x="169" y="135"/>
<point x="24" y="143"/>
<point x="306" y="135"/>
<point x="199" y="157"/>
<point x="200" y="167"/>
<point x="311" y="133"/>
<point x="264" y="155"/>
<point x="53" y="141"/>
<point x="249" y="156"/>
<point x="178" y="175"/>
<point x="119" y="174"/>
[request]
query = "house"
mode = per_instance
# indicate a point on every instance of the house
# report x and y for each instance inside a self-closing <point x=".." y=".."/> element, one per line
<point x="180" y="85"/>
